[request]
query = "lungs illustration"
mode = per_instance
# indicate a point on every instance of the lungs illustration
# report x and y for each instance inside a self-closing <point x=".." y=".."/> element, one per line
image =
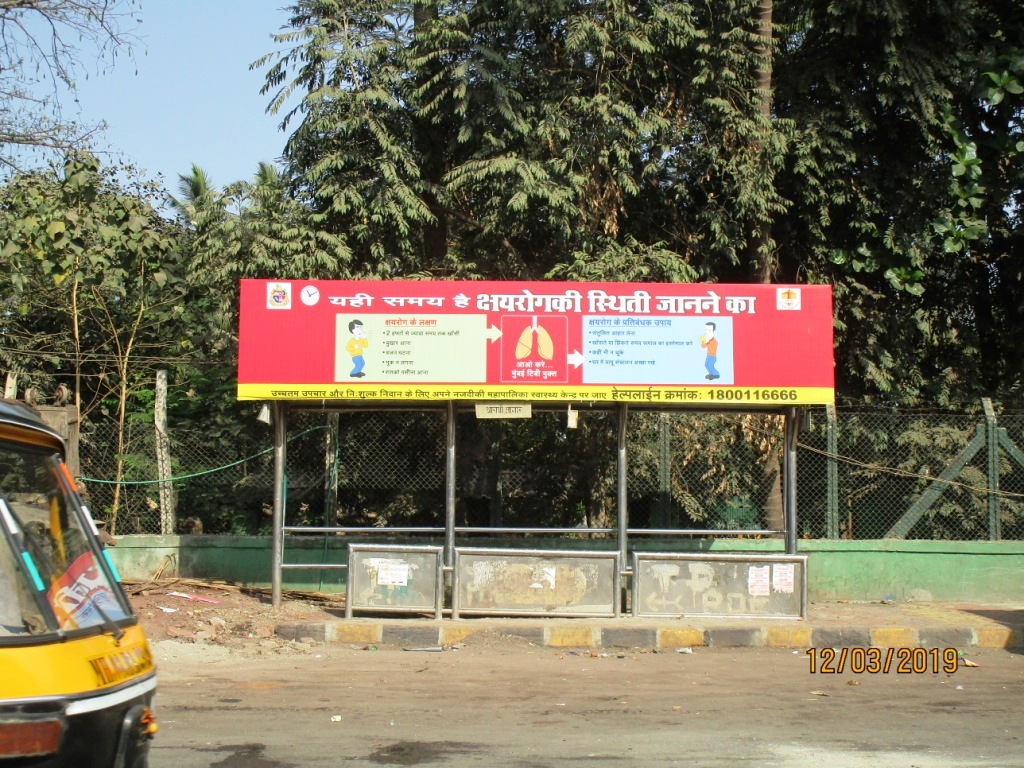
<point x="545" y="346"/>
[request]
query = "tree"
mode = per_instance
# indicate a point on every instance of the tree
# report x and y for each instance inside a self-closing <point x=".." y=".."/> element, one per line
<point x="792" y="141"/>
<point x="98" y="298"/>
<point x="43" y="44"/>
<point x="526" y="135"/>
<point x="873" y="175"/>
<point x="250" y="229"/>
<point x="981" y="228"/>
<point x="363" y="178"/>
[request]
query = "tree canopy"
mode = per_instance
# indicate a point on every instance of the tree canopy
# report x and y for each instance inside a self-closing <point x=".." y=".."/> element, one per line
<point x="873" y="146"/>
<point x="876" y="147"/>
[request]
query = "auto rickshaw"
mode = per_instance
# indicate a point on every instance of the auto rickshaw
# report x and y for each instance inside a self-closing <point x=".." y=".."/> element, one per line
<point x="77" y="678"/>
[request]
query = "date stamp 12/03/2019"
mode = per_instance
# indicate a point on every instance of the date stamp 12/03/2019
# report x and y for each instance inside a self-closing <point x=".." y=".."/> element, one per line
<point x="902" y="661"/>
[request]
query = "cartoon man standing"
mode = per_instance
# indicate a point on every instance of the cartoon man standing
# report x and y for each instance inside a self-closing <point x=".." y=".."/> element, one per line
<point x="710" y="343"/>
<point x="355" y="348"/>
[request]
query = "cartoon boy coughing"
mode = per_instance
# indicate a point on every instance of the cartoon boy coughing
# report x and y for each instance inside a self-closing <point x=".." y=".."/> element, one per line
<point x="355" y="348"/>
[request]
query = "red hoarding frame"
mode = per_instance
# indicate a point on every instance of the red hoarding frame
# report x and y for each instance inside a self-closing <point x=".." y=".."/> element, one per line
<point x="706" y="345"/>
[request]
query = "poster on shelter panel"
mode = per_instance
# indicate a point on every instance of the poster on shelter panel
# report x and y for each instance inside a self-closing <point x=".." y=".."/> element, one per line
<point x="652" y="343"/>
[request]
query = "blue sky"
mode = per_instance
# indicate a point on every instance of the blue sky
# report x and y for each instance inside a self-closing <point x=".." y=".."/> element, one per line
<point x="186" y="95"/>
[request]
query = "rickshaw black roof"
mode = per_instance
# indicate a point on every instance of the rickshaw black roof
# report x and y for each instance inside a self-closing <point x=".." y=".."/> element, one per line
<point x="19" y="414"/>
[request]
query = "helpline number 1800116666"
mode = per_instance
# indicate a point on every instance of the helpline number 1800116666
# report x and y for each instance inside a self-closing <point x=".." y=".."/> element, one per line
<point x="745" y="395"/>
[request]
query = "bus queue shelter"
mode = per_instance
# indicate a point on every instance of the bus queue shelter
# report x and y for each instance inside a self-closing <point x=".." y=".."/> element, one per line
<point x="502" y="348"/>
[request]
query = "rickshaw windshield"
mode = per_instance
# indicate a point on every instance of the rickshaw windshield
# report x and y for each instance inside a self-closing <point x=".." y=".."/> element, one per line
<point x="19" y="613"/>
<point x="50" y="574"/>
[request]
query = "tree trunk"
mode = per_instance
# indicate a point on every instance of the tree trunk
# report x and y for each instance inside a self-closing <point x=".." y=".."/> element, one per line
<point x="774" y="509"/>
<point x="124" y="353"/>
<point x="430" y="144"/>
<point x="763" y="262"/>
<point x="758" y="254"/>
<point x="331" y="471"/>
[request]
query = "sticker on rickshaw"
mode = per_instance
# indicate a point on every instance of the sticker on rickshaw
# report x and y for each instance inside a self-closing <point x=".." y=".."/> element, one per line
<point x="81" y="594"/>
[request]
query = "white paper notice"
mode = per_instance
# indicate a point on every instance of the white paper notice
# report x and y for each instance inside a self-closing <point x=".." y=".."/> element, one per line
<point x="784" y="577"/>
<point x="759" y="580"/>
<point x="393" y="573"/>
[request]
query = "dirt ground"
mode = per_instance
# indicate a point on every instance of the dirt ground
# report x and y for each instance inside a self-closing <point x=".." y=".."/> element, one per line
<point x="214" y="613"/>
<point x="233" y="695"/>
<point x="523" y="706"/>
<point x="185" y="618"/>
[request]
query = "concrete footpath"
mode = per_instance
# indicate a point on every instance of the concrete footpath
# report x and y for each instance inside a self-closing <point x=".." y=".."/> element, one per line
<point x="840" y="624"/>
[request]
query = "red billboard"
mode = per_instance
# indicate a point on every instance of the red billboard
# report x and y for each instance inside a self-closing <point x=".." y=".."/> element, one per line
<point x="646" y="343"/>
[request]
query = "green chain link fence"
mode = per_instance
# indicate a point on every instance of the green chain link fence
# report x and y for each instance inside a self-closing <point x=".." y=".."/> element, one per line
<point x="223" y="484"/>
<point x="884" y="474"/>
<point x="861" y="474"/>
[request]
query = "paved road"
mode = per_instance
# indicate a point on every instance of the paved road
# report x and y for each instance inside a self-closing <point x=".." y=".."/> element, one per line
<point x="510" y="704"/>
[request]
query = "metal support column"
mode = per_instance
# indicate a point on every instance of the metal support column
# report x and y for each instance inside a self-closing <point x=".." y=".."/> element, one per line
<point x="621" y="484"/>
<point x="449" y="490"/>
<point x="789" y="478"/>
<point x="280" y="495"/>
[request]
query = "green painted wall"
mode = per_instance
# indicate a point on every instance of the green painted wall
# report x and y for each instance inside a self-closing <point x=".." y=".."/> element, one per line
<point x="991" y="572"/>
<point x="979" y="571"/>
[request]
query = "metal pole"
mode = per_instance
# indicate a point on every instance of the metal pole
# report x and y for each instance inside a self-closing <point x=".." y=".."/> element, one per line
<point x="449" y="491"/>
<point x="792" y="423"/>
<point x="280" y="490"/>
<point x="622" y="477"/>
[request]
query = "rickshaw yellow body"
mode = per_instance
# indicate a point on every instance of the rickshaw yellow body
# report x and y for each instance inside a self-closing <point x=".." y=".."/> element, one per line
<point x="84" y="666"/>
<point x="77" y="677"/>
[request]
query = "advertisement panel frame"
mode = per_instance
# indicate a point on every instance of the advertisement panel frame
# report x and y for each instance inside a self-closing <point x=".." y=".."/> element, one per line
<point x="651" y="345"/>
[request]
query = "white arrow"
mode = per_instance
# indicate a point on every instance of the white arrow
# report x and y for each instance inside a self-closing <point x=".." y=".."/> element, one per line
<point x="493" y="333"/>
<point x="576" y="358"/>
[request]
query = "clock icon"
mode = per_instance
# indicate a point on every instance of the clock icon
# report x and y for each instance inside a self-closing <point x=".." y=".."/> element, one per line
<point x="309" y="295"/>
